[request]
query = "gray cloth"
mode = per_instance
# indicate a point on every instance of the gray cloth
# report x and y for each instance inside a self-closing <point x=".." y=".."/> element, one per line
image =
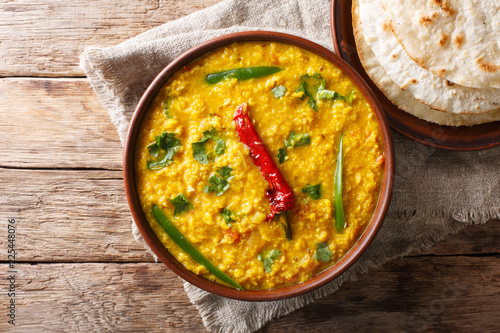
<point x="436" y="192"/>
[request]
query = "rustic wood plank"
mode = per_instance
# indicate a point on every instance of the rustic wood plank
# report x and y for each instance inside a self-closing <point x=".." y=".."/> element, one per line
<point x="431" y="294"/>
<point x="83" y="216"/>
<point x="45" y="38"/>
<point x="448" y="294"/>
<point x="55" y="123"/>
<point x="100" y="298"/>
<point x="475" y="239"/>
<point x="69" y="216"/>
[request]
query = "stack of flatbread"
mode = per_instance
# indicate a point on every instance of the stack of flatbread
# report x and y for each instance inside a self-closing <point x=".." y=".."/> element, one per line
<point x="438" y="60"/>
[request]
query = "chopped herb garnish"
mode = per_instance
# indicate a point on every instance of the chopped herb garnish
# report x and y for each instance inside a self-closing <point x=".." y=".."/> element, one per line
<point x="211" y="134"/>
<point x="329" y="94"/>
<point x="278" y="91"/>
<point x="309" y="85"/>
<point x="282" y="155"/>
<point x="220" y="147"/>
<point x="323" y="253"/>
<point x="199" y="150"/>
<point x="268" y="259"/>
<point x="314" y="191"/>
<point x="228" y="216"/>
<point x="225" y="172"/>
<point x="297" y="140"/>
<point x="218" y="182"/>
<point x="169" y="144"/>
<point x="154" y="150"/>
<point x="180" y="203"/>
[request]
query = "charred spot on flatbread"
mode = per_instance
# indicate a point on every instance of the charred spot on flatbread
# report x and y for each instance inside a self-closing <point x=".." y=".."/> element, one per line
<point x="459" y="40"/>
<point x="426" y="20"/>
<point x="443" y="40"/>
<point x="388" y="26"/>
<point x="486" y="66"/>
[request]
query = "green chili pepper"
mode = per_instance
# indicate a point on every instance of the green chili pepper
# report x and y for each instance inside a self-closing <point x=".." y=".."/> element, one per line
<point x="241" y="74"/>
<point x="185" y="245"/>
<point x="340" y="222"/>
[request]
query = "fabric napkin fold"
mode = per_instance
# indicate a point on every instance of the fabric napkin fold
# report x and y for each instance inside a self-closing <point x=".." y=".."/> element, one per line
<point x="436" y="192"/>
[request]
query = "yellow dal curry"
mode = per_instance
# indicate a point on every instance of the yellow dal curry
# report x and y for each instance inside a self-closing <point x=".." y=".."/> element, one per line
<point x="188" y="106"/>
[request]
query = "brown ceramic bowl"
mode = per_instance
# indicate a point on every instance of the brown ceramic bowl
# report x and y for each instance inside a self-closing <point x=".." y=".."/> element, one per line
<point x="255" y="295"/>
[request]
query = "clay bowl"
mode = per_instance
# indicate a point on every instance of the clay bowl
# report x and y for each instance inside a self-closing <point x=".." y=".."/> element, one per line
<point x="258" y="295"/>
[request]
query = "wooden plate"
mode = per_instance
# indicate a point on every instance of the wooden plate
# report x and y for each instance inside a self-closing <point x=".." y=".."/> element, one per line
<point x="445" y="137"/>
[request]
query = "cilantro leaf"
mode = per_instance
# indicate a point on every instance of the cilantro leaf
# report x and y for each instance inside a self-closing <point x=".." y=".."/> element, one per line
<point x="169" y="144"/>
<point x="302" y="89"/>
<point x="211" y="134"/>
<point x="180" y="203"/>
<point x="322" y="253"/>
<point x="167" y="141"/>
<point x="314" y="191"/>
<point x="268" y="259"/>
<point x="329" y="94"/>
<point x="282" y="155"/>
<point x="227" y="215"/>
<point x="225" y="172"/>
<point x="220" y="147"/>
<point x="199" y="150"/>
<point x="297" y="140"/>
<point x="309" y="85"/>
<point x="154" y="150"/>
<point x="218" y="181"/>
<point x="216" y="184"/>
<point x="278" y="91"/>
<point x="165" y="161"/>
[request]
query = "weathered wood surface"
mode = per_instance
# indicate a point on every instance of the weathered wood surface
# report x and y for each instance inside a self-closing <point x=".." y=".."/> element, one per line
<point x="55" y="123"/>
<point x="80" y="269"/>
<point x="46" y="38"/>
<point x="411" y="294"/>
<point x="83" y="216"/>
<point x="424" y="294"/>
<point x="69" y="215"/>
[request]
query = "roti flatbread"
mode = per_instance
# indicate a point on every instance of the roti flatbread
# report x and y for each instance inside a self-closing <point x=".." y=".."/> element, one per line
<point x="458" y="40"/>
<point x="403" y="99"/>
<point x="432" y="90"/>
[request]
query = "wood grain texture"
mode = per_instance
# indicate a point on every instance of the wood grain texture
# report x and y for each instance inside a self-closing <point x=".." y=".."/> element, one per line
<point x="83" y="216"/>
<point x="409" y="294"/>
<point x="425" y="294"/>
<point x="100" y="298"/>
<point x="80" y="269"/>
<point x="46" y="38"/>
<point x="55" y="123"/>
<point x="69" y="216"/>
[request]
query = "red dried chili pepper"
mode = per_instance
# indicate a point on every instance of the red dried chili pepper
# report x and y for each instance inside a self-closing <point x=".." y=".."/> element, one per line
<point x="280" y="194"/>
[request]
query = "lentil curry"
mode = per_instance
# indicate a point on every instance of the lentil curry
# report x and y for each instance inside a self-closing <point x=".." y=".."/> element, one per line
<point x="192" y="165"/>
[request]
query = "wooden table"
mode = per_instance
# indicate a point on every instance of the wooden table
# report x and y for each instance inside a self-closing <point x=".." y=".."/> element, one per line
<point x="78" y="267"/>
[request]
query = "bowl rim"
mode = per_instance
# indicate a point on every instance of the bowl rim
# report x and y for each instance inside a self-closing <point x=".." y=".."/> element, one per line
<point x="256" y="295"/>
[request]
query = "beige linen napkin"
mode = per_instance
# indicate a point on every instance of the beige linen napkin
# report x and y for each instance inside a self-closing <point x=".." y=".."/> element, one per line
<point x="436" y="192"/>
